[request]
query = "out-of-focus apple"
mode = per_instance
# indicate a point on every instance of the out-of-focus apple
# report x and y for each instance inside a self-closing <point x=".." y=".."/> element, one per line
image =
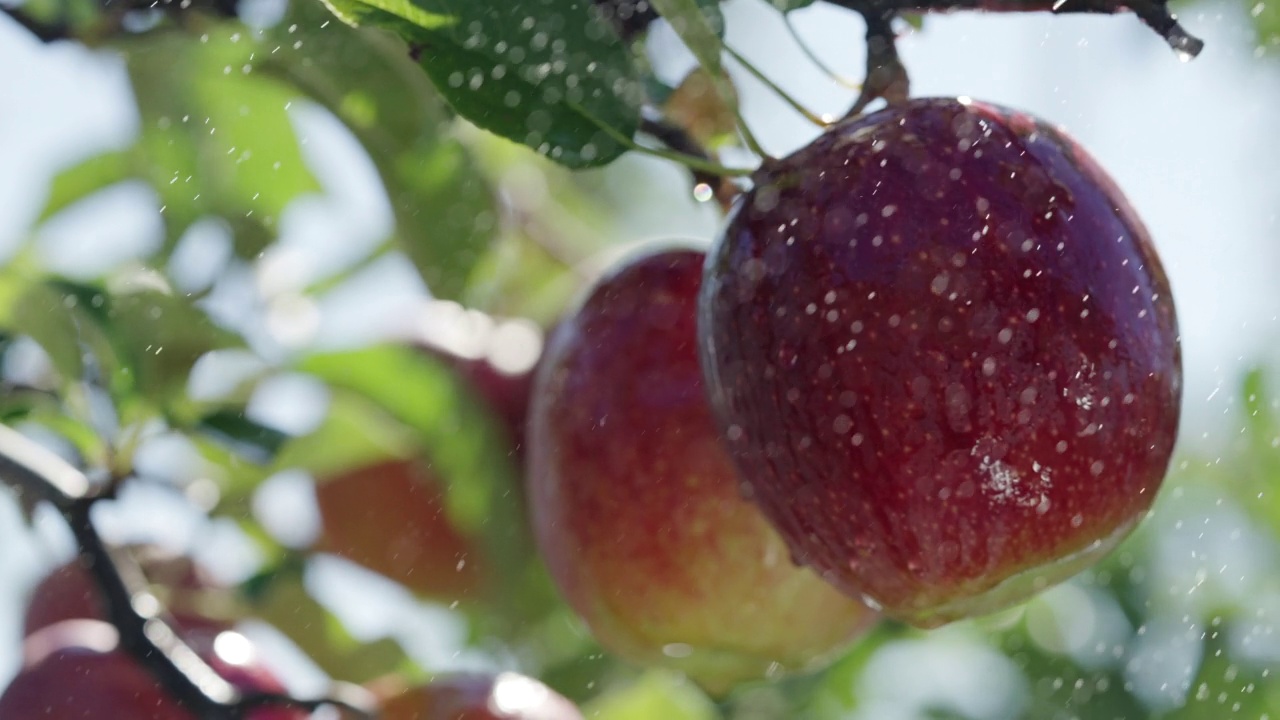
<point x="390" y="517"/>
<point x="69" y="593"/>
<point x="505" y="696"/>
<point x="636" y="506"/>
<point x="74" y="670"/>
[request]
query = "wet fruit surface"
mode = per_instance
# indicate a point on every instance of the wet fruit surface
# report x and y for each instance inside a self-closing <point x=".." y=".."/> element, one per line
<point x="945" y="356"/>
<point x="636" y="505"/>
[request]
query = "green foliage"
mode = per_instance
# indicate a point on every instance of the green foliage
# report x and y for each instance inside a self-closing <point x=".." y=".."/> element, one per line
<point x="1266" y="23"/>
<point x="445" y="212"/>
<point x="217" y="137"/>
<point x="549" y="74"/>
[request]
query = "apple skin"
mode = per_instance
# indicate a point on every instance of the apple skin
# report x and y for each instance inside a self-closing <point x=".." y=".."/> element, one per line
<point x="505" y="696"/>
<point x="390" y="517"/>
<point x="635" y="503"/>
<point x="74" y="670"/>
<point x="945" y="356"/>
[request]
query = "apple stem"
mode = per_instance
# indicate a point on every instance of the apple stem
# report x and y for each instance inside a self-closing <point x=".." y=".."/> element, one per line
<point x="886" y="75"/>
<point x="37" y="474"/>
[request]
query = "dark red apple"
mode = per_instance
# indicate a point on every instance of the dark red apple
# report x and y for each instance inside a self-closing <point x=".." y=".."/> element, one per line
<point x="69" y="593"/>
<point x="635" y="503"/>
<point x="74" y="670"/>
<point x="390" y="517"/>
<point x="945" y="354"/>
<point x="506" y="696"/>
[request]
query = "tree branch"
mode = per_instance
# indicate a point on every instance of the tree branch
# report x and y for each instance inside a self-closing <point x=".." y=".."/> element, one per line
<point x="1155" y="13"/>
<point x="135" y="613"/>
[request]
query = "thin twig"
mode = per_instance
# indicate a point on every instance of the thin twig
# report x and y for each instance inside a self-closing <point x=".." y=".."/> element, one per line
<point x="1155" y="13"/>
<point x="795" y="104"/>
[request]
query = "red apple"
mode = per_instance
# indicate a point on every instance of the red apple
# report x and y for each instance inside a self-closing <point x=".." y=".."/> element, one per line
<point x="945" y="354"/>
<point x="635" y="503"/>
<point x="74" y="670"/>
<point x="506" y="696"/>
<point x="69" y="592"/>
<point x="390" y="517"/>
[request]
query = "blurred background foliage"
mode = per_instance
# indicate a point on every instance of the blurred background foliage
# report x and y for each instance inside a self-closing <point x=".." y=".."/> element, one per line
<point x="198" y="355"/>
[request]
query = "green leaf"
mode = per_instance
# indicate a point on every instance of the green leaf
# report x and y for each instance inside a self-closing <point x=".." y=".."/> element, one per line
<point x="656" y="694"/>
<point x="355" y="432"/>
<point x="455" y="429"/>
<point x="456" y="433"/>
<point x="161" y="336"/>
<point x="249" y="440"/>
<point x="1266" y="23"/>
<point x="217" y="138"/>
<point x="444" y="209"/>
<point x="285" y="603"/>
<point x="80" y="181"/>
<point x="789" y="5"/>
<point x="550" y="74"/>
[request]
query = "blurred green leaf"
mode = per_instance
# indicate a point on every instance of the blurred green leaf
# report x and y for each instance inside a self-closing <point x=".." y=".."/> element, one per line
<point x="445" y="211"/>
<point x="284" y="602"/>
<point x="82" y="180"/>
<point x="459" y="437"/>
<point x="656" y="694"/>
<point x="216" y="134"/>
<point x="355" y="432"/>
<point x="162" y="336"/>
<point x="549" y="74"/>
<point x="1266" y="23"/>
<point x="789" y="5"/>
<point x="250" y="440"/>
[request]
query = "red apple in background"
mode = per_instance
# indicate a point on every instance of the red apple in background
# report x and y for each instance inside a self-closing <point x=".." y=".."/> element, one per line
<point x="74" y="670"/>
<point x="390" y="517"/>
<point x="945" y="354"/>
<point x="69" y="591"/>
<point x="505" y="696"/>
<point x="636" y="506"/>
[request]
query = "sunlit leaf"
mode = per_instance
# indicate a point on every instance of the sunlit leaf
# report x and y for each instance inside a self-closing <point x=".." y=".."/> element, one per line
<point x="82" y="180"/>
<point x="285" y="603"/>
<point x="217" y="138"/>
<point x="550" y="74"/>
<point x="445" y="212"/>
